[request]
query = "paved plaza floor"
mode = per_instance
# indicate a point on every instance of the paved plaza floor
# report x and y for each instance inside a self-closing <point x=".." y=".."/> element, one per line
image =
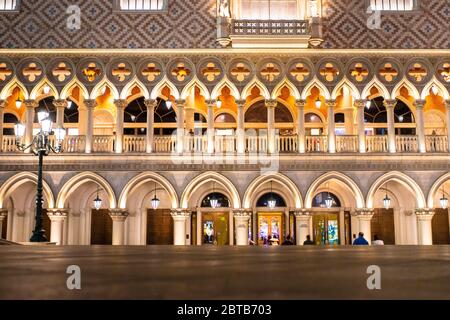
<point x="168" y="272"/>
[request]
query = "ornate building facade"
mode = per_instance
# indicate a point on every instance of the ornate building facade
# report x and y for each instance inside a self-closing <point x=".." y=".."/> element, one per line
<point x="249" y="121"/>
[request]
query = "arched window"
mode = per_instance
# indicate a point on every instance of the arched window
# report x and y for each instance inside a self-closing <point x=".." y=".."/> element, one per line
<point x="71" y="115"/>
<point x="46" y="105"/>
<point x="136" y="112"/>
<point x="257" y="113"/>
<point x="9" y="118"/>
<point x="319" y="200"/>
<point x="164" y="114"/>
<point x="222" y="200"/>
<point x="224" y="118"/>
<point x="312" y="118"/>
<point x="263" y="201"/>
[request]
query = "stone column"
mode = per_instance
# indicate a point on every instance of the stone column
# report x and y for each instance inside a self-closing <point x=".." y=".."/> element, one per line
<point x="420" y="125"/>
<point x="30" y="105"/>
<point x="120" y="109"/>
<point x="118" y="217"/>
<point x="240" y="127"/>
<point x="57" y="218"/>
<point x="301" y="130"/>
<point x="90" y="106"/>
<point x="302" y="225"/>
<point x="210" y="131"/>
<point x="331" y="104"/>
<point x="180" y="125"/>
<point x="60" y="106"/>
<point x="390" y="105"/>
<point x="2" y="112"/>
<point x="241" y="219"/>
<point x="364" y="217"/>
<point x="447" y="109"/>
<point x="3" y="215"/>
<point x="360" y="105"/>
<point x="424" y="228"/>
<point x="271" y="139"/>
<point x="151" y="106"/>
<point x="180" y="217"/>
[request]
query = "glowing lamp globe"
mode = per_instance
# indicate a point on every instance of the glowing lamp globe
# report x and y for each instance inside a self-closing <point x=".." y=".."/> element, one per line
<point x="387" y="202"/>
<point x="155" y="203"/>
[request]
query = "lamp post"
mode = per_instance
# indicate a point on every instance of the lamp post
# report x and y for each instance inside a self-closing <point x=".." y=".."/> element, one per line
<point x="40" y="146"/>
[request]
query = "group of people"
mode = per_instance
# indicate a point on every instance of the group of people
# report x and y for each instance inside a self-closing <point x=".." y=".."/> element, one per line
<point x="359" y="241"/>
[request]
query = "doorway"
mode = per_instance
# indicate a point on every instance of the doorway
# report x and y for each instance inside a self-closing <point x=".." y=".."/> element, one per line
<point x="215" y="228"/>
<point x="270" y="228"/>
<point x="382" y="225"/>
<point x="159" y="227"/>
<point x="4" y="228"/>
<point x="101" y="227"/>
<point x="326" y="228"/>
<point x="440" y="227"/>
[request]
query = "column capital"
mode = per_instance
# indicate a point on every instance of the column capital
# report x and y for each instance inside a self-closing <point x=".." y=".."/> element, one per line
<point x="57" y="214"/>
<point x="331" y="103"/>
<point x="419" y="103"/>
<point x="180" y="213"/>
<point x="363" y="213"/>
<point x="180" y="103"/>
<point x="31" y="104"/>
<point x="300" y="103"/>
<point x="60" y="103"/>
<point x="240" y="103"/>
<point x="390" y="103"/>
<point x="118" y="214"/>
<point x="302" y="213"/>
<point x="271" y="103"/>
<point x="360" y="103"/>
<point x="120" y="103"/>
<point x="424" y="213"/>
<point x="242" y="213"/>
<point x="151" y="103"/>
<point x="211" y="103"/>
<point x="90" y="103"/>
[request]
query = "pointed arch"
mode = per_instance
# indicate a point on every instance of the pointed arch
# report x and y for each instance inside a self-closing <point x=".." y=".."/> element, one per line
<point x="225" y="82"/>
<point x="315" y="83"/>
<point x="156" y="92"/>
<point x="435" y="189"/>
<point x="251" y="192"/>
<point x="346" y="180"/>
<point x="377" y="84"/>
<point x="262" y="88"/>
<point x="103" y="83"/>
<point x="352" y="88"/>
<point x="17" y="180"/>
<point x="67" y="90"/>
<point x="401" y="178"/>
<point x="78" y="180"/>
<point x="44" y="82"/>
<point x="443" y="92"/>
<point x="7" y="90"/>
<point x="411" y="88"/>
<point x="206" y="177"/>
<point x="195" y="82"/>
<point x="143" y="178"/>
<point x="286" y="83"/>
<point x="135" y="82"/>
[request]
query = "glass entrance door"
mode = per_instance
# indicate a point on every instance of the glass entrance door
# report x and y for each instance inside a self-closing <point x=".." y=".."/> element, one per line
<point x="326" y="228"/>
<point x="215" y="229"/>
<point x="270" y="228"/>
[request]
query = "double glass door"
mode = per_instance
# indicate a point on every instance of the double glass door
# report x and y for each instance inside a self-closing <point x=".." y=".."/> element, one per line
<point x="270" y="228"/>
<point x="215" y="228"/>
<point x="326" y="228"/>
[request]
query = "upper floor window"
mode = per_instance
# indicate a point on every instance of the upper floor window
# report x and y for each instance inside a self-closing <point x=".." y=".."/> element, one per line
<point x="268" y="9"/>
<point x="393" y="5"/>
<point x="141" y="5"/>
<point x="9" y="5"/>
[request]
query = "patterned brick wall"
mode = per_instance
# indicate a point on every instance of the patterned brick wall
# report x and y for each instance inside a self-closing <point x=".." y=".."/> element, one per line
<point x="192" y="24"/>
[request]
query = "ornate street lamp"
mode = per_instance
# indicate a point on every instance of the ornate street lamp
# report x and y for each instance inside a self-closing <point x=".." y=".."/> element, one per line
<point x="219" y="103"/>
<point x="97" y="202"/>
<point x="213" y="201"/>
<point x="387" y="200"/>
<point x="272" y="203"/>
<point x="444" y="200"/>
<point x="155" y="201"/>
<point x="18" y="103"/>
<point x="40" y="146"/>
<point x="318" y="103"/>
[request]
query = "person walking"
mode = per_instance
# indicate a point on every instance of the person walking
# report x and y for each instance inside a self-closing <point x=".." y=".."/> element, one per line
<point x="360" y="241"/>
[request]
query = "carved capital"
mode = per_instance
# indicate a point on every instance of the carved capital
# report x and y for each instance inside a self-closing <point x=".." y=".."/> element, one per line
<point x="359" y="104"/>
<point x="118" y="214"/>
<point x="3" y="214"/>
<point x="300" y="103"/>
<point x="390" y="103"/>
<point x="180" y="214"/>
<point x="240" y="103"/>
<point x="424" y="213"/>
<point x="151" y="103"/>
<point x="211" y="103"/>
<point x="419" y="104"/>
<point x="90" y="103"/>
<point x="242" y="214"/>
<point x="271" y="103"/>
<point x="180" y="103"/>
<point x="57" y="214"/>
<point x="60" y="103"/>
<point x="331" y="103"/>
<point x="31" y="104"/>
<point x="120" y="104"/>
<point x="302" y="213"/>
<point x="363" y="213"/>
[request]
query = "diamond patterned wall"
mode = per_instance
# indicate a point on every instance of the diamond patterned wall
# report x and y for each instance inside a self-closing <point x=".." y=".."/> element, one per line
<point x="192" y="24"/>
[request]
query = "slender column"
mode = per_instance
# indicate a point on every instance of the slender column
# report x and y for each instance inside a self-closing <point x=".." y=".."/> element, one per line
<point x="60" y="106"/>
<point x="3" y="215"/>
<point x="29" y="116"/>
<point x="390" y="105"/>
<point x="241" y="220"/>
<point x="210" y="131"/>
<point x="271" y="140"/>
<point x="180" y="217"/>
<point x="420" y="125"/>
<point x="120" y="109"/>
<point x="118" y="217"/>
<point x="90" y="106"/>
<point x="364" y="217"/>
<point x="57" y="217"/>
<point x="447" y="109"/>
<point x="424" y="228"/>
<point x="2" y="112"/>
<point x="180" y="125"/>
<point x="302" y="226"/>
<point x="240" y="126"/>
<point x="360" y="105"/>
<point x="331" y="104"/>
<point x="301" y="130"/>
<point x="151" y="106"/>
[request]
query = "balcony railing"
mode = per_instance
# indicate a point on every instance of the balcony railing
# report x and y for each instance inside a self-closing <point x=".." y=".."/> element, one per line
<point x="269" y="27"/>
<point x="253" y="144"/>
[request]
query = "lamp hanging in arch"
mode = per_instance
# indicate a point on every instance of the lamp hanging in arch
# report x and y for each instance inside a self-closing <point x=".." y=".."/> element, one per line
<point x="155" y="201"/>
<point x="387" y="200"/>
<point x="444" y="200"/>
<point x="214" y="202"/>
<point x="97" y="202"/>
<point x="272" y="203"/>
<point x="328" y="199"/>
